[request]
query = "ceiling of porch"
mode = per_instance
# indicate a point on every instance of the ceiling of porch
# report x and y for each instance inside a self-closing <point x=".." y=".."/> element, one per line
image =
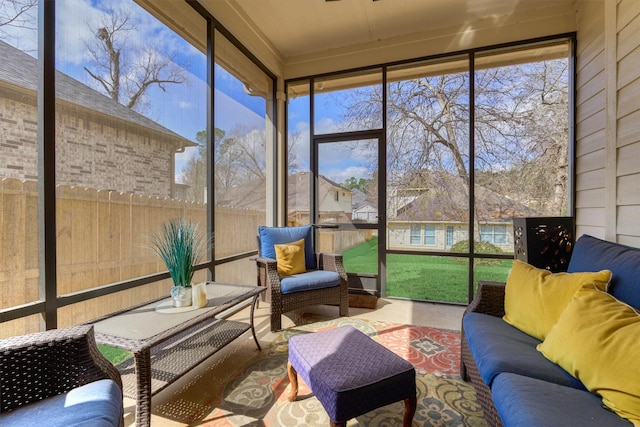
<point x="303" y="27"/>
<point x="304" y="37"/>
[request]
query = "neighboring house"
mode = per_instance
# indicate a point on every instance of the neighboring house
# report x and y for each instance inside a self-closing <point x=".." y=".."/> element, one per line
<point x="100" y="143"/>
<point x="435" y="216"/>
<point x="334" y="200"/>
<point x="364" y="210"/>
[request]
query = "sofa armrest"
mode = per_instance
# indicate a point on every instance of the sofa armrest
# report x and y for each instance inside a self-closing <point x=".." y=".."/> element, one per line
<point x="44" y="364"/>
<point x="489" y="299"/>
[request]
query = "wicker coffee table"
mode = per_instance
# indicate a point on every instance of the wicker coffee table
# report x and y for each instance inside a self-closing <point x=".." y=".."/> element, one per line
<point x="168" y="343"/>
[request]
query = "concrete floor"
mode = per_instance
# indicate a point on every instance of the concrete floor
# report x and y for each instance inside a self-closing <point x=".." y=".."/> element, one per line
<point x="194" y="386"/>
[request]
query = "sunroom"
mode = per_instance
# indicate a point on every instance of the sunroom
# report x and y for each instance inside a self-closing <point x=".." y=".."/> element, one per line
<point x="409" y="134"/>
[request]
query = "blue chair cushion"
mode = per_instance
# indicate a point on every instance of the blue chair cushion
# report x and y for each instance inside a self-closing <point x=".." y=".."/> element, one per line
<point x="498" y="347"/>
<point x="593" y="254"/>
<point x="97" y="404"/>
<point x="315" y="279"/>
<point x="270" y="236"/>
<point x="529" y="402"/>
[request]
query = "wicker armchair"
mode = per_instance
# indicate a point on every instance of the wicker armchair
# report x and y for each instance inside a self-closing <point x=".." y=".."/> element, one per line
<point x="285" y="302"/>
<point x="45" y="364"/>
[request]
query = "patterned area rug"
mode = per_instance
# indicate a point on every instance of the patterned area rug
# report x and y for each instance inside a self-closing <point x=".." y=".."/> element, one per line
<point x="257" y="394"/>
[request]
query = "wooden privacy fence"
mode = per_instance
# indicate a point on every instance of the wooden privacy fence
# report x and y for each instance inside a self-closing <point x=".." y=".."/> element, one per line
<point x="338" y="241"/>
<point x="102" y="238"/>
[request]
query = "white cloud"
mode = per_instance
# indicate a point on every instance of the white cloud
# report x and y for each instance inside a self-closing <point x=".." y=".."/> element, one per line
<point x="325" y="125"/>
<point x="74" y="20"/>
<point x="340" y="175"/>
<point x="182" y="159"/>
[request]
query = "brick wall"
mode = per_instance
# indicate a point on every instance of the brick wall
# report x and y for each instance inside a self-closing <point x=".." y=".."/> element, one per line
<point x="92" y="150"/>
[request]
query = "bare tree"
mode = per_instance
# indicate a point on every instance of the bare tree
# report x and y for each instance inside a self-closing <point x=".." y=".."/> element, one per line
<point x="194" y="174"/>
<point x="17" y="15"/>
<point x="521" y="129"/>
<point x="123" y="70"/>
<point x="294" y="140"/>
<point x="245" y="149"/>
<point x="238" y="158"/>
<point x="527" y="118"/>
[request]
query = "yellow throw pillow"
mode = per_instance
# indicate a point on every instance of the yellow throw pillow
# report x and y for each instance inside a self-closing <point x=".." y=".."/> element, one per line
<point x="534" y="297"/>
<point x="290" y="258"/>
<point x="597" y="340"/>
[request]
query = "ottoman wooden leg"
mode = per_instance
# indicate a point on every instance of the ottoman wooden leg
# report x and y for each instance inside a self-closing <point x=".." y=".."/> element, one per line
<point x="410" y="405"/>
<point x="293" y="379"/>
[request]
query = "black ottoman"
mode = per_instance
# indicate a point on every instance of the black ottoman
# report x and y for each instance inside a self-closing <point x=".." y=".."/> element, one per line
<point x="351" y="374"/>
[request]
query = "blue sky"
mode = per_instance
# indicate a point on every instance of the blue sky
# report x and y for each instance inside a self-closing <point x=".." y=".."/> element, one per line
<point x="337" y="162"/>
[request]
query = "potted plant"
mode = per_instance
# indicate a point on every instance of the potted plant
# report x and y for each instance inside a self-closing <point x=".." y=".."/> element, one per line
<point x="179" y="244"/>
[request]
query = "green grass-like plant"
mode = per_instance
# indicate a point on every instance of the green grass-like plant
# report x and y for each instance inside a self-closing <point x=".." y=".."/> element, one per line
<point x="180" y="245"/>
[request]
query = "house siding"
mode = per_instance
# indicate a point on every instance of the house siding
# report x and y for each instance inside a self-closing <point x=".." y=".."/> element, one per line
<point x="608" y="110"/>
<point x="399" y="235"/>
<point x="590" y="120"/>
<point x="627" y="117"/>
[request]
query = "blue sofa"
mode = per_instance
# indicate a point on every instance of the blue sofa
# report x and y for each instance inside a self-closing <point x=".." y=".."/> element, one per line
<point x="58" y="378"/>
<point x="515" y="384"/>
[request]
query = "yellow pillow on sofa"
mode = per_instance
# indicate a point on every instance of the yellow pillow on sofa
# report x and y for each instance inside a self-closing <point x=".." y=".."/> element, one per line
<point x="597" y="340"/>
<point x="534" y="297"/>
<point x="290" y="258"/>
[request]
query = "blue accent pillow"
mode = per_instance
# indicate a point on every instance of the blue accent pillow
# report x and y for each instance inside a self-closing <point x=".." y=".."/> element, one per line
<point x="270" y="236"/>
<point x="593" y="254"/>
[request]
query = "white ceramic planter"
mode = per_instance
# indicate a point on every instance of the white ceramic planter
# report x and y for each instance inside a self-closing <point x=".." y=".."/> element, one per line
<point x="181" y="296"/>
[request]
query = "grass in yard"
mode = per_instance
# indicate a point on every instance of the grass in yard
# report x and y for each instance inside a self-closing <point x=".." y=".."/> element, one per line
<point x="423" y="277"/>
<point x="362" y="258"/>
<point x="115" y="355"/>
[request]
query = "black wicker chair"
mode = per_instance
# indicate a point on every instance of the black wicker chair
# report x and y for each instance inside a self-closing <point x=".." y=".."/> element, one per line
<point x="285" y="302"/>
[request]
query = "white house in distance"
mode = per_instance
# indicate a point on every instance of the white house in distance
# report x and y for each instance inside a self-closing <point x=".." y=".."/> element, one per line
<point x="335" y="201"/>
<point x="364" y="209"/>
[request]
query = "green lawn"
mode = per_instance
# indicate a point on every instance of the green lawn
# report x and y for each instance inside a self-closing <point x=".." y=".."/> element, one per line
<point x="423" y="277"/>
<point x="115" y="355"/>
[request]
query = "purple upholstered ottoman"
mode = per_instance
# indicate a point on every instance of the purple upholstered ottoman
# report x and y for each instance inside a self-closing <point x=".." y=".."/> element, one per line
<point x="350" y="373"/>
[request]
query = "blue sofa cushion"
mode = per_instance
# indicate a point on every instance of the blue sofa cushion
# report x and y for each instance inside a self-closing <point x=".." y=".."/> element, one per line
<point x="316" y="279"/>
<point x="270" y="236"/>
<point x="97" y="404"/>
<point x="593" y="254"/>
<point x="498" y="347"/>
<point x="529" y="402"/>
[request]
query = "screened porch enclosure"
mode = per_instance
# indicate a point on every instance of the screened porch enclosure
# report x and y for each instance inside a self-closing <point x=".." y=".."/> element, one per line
<point x="468" y="142"/>
<point x="411" y="169"/>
